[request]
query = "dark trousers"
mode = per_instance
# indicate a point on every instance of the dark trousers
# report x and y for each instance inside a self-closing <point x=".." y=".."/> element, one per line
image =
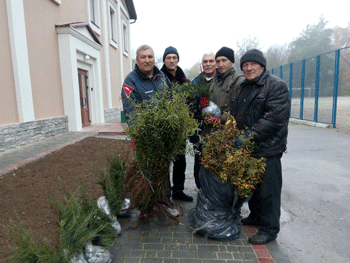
<point x="197" y="166"/>
<point x="179" y="169"/>
<point x="265" y="204"/>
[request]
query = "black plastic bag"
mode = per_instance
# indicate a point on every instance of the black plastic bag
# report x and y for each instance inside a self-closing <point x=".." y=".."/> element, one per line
<point x="217" y="212"/>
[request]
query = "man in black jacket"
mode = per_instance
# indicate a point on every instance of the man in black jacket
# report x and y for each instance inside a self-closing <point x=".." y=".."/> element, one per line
<point x="176" y="75"/>
<point x="261" y="106"/>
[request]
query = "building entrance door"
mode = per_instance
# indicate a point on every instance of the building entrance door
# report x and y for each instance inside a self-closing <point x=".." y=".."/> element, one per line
<point x="84" y="97"/>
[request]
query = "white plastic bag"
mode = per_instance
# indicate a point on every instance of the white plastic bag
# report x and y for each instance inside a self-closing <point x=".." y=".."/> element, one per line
<point x="102" y="203"/>
<point x="97" y="254"/>
<point x="78" y="258"/>
<point x="124" y="209"/>
<point x="212" y="110"/>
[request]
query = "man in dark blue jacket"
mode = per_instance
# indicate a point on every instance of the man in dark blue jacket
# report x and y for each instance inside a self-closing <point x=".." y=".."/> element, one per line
<point x="261" y="107"/>
<point x="144" y="81"/>
<point x="140" y="85"/>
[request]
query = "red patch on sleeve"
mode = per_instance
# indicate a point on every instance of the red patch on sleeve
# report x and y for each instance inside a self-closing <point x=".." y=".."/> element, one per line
<point x="127" y="89"/>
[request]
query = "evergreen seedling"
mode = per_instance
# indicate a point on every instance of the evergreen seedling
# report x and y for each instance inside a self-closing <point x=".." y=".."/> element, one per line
<point x="28" y="250"/>
<point x="111" y="180"/>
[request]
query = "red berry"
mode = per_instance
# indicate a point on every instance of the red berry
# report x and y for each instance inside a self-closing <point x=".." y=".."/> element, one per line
<point x="203" y="102"/>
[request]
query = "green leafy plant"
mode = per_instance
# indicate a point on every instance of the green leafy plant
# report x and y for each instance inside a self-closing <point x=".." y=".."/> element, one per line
<point x="160" y="128"/>
<point x="111" y="179"/>
<point x="237" y="167"/>
<point x="201" y="90"/>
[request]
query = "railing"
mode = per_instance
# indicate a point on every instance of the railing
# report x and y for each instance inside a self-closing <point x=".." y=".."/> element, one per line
<point x="315" y="84"/>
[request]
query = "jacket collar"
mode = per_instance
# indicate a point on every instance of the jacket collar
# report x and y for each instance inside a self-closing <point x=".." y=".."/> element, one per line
<point x="259" y="81"/>
<point x="223" y="76"/>
<point x="179" y="75"/>
<point x="156" y="72"/>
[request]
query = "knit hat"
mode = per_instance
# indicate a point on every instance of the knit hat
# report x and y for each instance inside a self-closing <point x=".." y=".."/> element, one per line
<point x="171" y="50"/>
<point x="254" y="55"/>
<point x="226" y="52"/>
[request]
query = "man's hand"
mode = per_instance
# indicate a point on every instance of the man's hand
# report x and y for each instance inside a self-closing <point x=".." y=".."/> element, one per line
<point x="238" y="143"/>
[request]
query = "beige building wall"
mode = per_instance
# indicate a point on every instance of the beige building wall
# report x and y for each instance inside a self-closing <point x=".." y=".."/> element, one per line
<point x="115" y="72"/>
<point x="116" y="81"/>
<point x="43" y="51"/>
<point x="116" y="57"/>
<point x="103" y="69"/>
<point x="7" y="84"/>
<point x="126" y="57"/>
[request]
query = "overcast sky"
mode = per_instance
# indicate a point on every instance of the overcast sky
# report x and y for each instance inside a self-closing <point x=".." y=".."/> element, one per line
<point x="195" y="27"/>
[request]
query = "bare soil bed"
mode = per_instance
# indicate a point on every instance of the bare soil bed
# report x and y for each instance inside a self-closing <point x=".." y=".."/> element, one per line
<point x="25" y="190"/>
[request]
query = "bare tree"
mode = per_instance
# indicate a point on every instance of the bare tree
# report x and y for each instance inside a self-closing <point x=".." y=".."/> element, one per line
<point x="159" y="61"/>
<point x="341" y="37"/>
<point x="133" y="58"/>
<point x="246" y="44"/>
<point x="193" y="71"/>
<point x="276" y="55"/>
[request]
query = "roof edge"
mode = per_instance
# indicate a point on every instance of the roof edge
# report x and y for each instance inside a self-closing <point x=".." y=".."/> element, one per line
<point x="81" y="24"/>
<point x="131" y="9"/>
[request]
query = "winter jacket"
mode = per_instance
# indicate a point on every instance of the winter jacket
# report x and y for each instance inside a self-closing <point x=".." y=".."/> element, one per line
<point x="179" y="77"/>
<point x="201" y="80"/>
<point x="266" y="114"/>
<point x="222" y="88"/>
<point x="139" y="87"/>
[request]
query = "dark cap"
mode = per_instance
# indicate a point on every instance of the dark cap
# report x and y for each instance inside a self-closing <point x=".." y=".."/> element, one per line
<point x="226" y="52"/>
<point x="254" y="55"/>
<point x="171" y="50"/>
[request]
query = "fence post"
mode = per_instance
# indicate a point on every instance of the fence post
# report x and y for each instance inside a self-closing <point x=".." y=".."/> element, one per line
<point x="317" y="86"/>
<point x="272" y="71"/>
<point x="335" y="89"/>
<point x="290" y="84"/>
<point x="302" y="90"/>
<point x="281" y="72"/>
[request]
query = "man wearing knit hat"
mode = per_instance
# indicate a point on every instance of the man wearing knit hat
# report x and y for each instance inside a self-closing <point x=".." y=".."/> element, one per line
<point x="170" y="68"/>
<point x="225" y="81"/>
<point x="261" y="107"/>
<point x="176" y="75"/>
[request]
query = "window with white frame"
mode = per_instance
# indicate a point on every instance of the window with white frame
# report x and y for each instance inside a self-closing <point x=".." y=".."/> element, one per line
<point x="125" y="38"/>
<point x="94" y="15"/>
<point x="113" y="26"/>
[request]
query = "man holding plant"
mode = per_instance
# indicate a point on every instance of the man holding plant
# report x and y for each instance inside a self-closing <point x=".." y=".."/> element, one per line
<point x="261" y="106"/>
<point x="176" y="76"/>
<point x="140" y="85"/>
<point x="144" y="81"/>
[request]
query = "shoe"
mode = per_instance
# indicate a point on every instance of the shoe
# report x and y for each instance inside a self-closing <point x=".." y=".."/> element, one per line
<point x="248" y="221"/>
<point x="170" y="207"/>
<point x="261" y="238"/>
<point x="182" y="196"/>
